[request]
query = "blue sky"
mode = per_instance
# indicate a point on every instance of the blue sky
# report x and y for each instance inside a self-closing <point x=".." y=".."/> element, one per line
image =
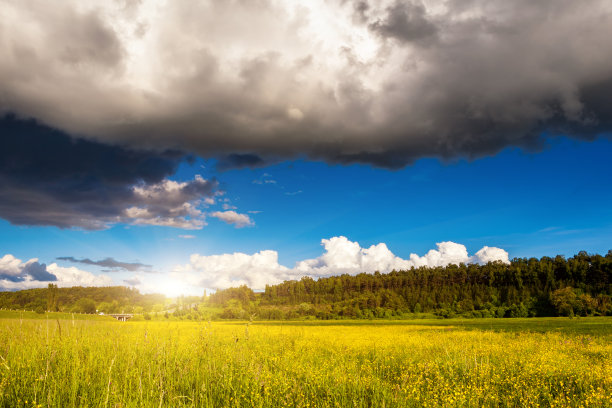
<point x="556" y="201"/>
<point x="533" y="204"/>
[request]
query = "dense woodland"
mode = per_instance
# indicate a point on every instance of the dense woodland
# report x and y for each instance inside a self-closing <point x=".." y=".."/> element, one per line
<point x="581" y="286"/>
<point x="115" y="299"/>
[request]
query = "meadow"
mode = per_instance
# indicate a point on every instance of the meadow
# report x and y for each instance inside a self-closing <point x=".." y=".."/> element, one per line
<point x="64" y="362"/>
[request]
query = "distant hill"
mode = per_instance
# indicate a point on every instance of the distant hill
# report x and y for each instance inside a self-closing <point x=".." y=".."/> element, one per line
<point x="581" y="285"/>
<point x="80" y="299"/>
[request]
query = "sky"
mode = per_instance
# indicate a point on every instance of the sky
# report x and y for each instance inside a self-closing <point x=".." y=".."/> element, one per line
<point x="178" y="148"/>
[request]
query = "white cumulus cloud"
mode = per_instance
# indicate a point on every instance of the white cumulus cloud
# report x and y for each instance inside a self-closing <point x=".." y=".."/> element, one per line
<point x="341" y="256"/>
<point x="223" y="271"/>
<point x="10" y="266"/>
<point x="17" y="275"/>
<point x="73" y="276"/>
<point x="488" y="254"/>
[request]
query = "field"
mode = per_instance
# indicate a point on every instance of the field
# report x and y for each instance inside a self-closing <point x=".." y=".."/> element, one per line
<point x="435" y="363"/>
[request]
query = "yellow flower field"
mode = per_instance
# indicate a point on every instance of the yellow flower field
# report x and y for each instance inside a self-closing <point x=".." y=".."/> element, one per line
<point x="64" y="363"/>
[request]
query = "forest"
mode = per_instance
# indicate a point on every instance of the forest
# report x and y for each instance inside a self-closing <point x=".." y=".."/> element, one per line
<point x="581" y="286"/>
<point x="577" y="286"/>
<point x="114" y="299"/>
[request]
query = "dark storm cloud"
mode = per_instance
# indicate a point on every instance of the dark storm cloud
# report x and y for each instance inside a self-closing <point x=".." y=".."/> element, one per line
<point x="19" y="272"/>
<point x="49" y="178"/>
<point x="12" y="278"/>
<point x="382" y="82"/>
<point x="38" y="272"/>
<point x="405" y="21"/>
<point x="111" y="263"/>
<point x="86" y="39"/>
<point x="31" y="152"/>
<point x="236" y="161"/>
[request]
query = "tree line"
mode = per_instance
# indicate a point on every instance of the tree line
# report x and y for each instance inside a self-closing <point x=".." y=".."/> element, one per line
<point x="580" y="285"/>
<point x="114" y="299"/>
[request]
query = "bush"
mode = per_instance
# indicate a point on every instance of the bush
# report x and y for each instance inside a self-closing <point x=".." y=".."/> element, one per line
<point x="565" y="301"/>
<point x="85" y="305"/>
<point x="486" y="313"/>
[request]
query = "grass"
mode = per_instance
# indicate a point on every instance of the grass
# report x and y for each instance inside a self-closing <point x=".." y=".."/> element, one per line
<point x="12" y="314"/>
<point x="437" y="363"/>
<point x="601" y="326"/>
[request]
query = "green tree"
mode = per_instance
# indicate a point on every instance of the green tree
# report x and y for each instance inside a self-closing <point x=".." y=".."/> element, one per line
<point x="233" y="310"/>
<point x="85" y="305"/>
<point x="564" y="300"/>
<point x="52" y="303"/>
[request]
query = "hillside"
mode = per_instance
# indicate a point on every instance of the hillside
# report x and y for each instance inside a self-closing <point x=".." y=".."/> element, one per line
<point x="81" y="299"/>
<point x="581" y="285"/>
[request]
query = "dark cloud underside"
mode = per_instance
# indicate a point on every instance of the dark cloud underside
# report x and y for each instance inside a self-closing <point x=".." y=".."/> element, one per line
<point x="38" y="272"/>
<point x="49" y="178"/>
<point x="31" y="270"/>
<point x="382" y="82"/>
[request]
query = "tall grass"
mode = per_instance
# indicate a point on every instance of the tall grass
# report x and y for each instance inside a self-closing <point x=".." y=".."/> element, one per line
<point x="189" y="364"/>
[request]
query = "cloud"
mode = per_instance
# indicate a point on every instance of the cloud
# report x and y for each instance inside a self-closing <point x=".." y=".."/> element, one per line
<point x="73" y="276"/>
<point x="344" y="256"/>
<point x="232" y="217"/>
<point x="341" y="256"/>
<point x="135" y="281"/>
<point x="222" y="271"/>
<point x="49" y="178"/>
<point x="170" y="203"/>
<point x="406" y="22"/>
<point x="14" y="270"/>
<point x="237" y="161"/>
<point x="37" y="271"/>
<point x="383" y="82"/>
<point x="187" y="236"/>
<point x="265" y="179"/>
<point x="17" y="275"/>
<point x="111" y="263"/>
<point x="11" y="268"/>
<point x="489" y="254"/>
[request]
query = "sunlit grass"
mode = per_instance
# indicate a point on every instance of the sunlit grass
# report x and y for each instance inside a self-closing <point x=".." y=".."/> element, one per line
<point x="17" y="314"/>
<point x="172" y="364"/>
